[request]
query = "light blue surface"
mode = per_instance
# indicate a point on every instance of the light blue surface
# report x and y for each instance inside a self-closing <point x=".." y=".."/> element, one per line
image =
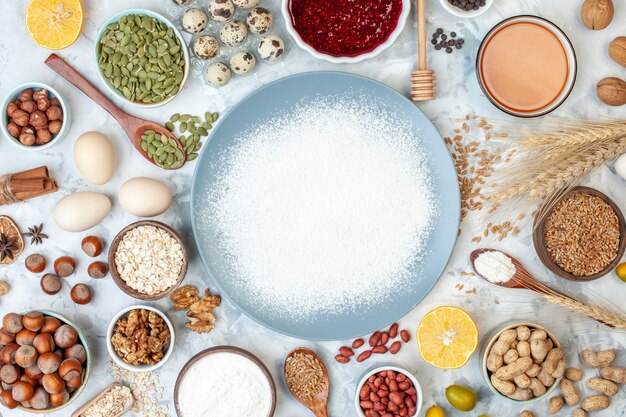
<point x="279" y="97"/>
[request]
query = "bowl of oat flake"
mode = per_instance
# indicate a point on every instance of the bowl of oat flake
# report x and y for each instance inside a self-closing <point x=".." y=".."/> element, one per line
<point x="148" y="260"/>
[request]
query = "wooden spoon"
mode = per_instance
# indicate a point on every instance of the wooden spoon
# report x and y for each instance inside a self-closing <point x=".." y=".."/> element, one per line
<point x="129" y="404"/>
<point x="319" y="404"/>
<point x="133" y="126"/>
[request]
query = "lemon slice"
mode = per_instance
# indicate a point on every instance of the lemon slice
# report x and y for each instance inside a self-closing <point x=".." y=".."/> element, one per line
<point x="447" y="337"/>
<point x="54" y="24"/>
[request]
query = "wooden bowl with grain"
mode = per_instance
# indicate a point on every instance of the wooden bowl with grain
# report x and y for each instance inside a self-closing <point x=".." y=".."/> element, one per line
<point x="539" y="237"/>
<point x="123" y="285"/>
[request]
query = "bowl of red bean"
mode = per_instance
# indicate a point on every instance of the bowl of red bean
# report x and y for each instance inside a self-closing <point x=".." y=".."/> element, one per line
<point x="388" y="391"/>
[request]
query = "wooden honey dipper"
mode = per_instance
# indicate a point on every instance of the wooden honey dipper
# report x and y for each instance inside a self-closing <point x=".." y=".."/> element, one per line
<point x="422" y="79"/>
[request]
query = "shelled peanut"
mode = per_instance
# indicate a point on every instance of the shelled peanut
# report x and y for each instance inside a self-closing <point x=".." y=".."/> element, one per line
<point x="377" y="342"/>
<point x="524" y="362"/>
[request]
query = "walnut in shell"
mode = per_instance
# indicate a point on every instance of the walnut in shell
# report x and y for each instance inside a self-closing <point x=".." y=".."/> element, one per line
<point x="612" y="91"/>
<point x="597" y="14"/>
<point x="617" y="50"/>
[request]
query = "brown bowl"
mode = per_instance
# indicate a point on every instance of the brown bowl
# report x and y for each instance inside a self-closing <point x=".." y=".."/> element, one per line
<point x="539" y="237"/>
<point x="225" y="349"/>
<point x="122" y="284"/>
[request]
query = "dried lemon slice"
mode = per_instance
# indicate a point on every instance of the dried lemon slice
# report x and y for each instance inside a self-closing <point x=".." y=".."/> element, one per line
<point x="447" y="337"/>
<point x="54" y="24"/>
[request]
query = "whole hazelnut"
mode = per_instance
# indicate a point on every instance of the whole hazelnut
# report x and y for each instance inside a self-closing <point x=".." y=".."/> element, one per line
<point x="28" y="106"/>
<point x="27" y="139"/>
<point x="54" y="113"/>
<point x="11" y="109"/>
<point x="38" y="119"/>
<point x="55" y="102"/>
<point x="26" y="95"/>
<point x="43" y="104"/>
<point x="20" y="118"/>
<point x="55" y="126"/>
<point x="14" y="130"/>
<point x="43" y="136"/>
<point x="43" y="93"/>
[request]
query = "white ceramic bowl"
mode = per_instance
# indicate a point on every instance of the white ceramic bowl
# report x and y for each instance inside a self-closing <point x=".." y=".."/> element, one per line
<point x="488" y="342"/>
<point x="465" y="13"/>
<point x="169" y="24"/>
<point x="397" y="370"/>
<point x="14" y="94"/>
<point x="406" y="10"/>
<point x="139" y="368"/>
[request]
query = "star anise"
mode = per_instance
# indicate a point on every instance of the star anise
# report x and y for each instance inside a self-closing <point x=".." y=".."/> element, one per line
<point x="8" y="247"/>
<point x="35" y="235"/>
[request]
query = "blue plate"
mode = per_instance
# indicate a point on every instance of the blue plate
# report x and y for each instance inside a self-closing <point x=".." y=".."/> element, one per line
<point x="279" y="97"/>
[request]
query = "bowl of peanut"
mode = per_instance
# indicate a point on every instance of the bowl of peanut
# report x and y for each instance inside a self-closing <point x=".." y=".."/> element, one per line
<point x="522" y="362"/>
<point x="34" y="116"/>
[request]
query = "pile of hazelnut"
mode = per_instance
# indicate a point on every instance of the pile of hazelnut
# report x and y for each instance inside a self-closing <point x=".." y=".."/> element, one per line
<point x="41" y="362"/>
<point x="34" y="118"/>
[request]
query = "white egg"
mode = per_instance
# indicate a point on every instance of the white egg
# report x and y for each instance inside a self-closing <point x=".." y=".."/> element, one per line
<point x="145" y="197"/>
<point x="95" y="157"/>
<point x="81" y="211"/>
<point x="620" y="166"/>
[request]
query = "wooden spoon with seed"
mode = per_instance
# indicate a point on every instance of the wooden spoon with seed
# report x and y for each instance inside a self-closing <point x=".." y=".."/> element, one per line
<point x="319" y="403"/>
<point x="133" y="126"/>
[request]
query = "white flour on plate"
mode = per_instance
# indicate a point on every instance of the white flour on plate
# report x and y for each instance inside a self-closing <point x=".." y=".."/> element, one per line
<point x="224" y="385"/>
<point x="324" y="208"/>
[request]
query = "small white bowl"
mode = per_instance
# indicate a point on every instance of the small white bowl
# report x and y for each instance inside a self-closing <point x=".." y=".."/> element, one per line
<point x="14" y="94"/>
<point x="397" y="370"/>
<point x="168" y="23"/>
<point x="406" y="10"/>
<point x="139" y="368"/>
<point x="465" y="13"/>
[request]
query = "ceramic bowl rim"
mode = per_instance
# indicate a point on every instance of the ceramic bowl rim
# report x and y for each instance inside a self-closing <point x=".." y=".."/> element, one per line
<point x="379" y="368"/>
<point x="567" y="45"/>
<point x="465" y="13"/>
<point x="85" y="343"/>
<point x="406" y="10"/>
<point x="114" y="18"/>
<point x="140" y="368"/>
<point x="14" y="94"/>
<point x="489" y="341"/>
<point x="225" y="349"/>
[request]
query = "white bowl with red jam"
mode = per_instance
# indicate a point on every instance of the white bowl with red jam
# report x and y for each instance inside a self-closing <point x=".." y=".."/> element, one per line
<point x="345" y="31"/>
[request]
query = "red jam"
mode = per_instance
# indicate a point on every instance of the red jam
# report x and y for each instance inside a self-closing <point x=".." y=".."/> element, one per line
<point x="345" y="27"/>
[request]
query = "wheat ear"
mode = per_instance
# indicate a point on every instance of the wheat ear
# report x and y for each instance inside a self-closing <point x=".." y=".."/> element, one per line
<point x="596" y="313"/>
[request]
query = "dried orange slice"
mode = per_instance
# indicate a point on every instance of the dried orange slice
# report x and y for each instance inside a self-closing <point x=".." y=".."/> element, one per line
<point x="447" y="337"/>
<point x="54" y="24"/>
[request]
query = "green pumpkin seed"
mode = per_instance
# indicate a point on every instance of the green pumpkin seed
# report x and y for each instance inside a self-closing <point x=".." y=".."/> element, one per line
<point x="144" y="146"/>
<point x="207" y="125"/>
<point x="177" y="164"/>
<point x="175" y="117"/>
<point x="182" y="128"/>
<point x="169" y="126"/>
<point x="192" y="156"/>
<point x="203" y="132"/>
<point x="190" y="148"/>
<point x="179" y="154"/>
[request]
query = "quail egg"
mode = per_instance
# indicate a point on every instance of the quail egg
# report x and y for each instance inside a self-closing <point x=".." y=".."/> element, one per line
<point x="217" y="74"/>
<point x="260" y="20"/>
<point x="246" y="4"/>
<point x="181" y="2"/>
<point x="195" y="20"/>
<point x="206" y="47"/>
<point x="271" y="47"/>
<point x="234" y="33"/>
<point x="242" y="63"/>
<point x="221" y="10"/>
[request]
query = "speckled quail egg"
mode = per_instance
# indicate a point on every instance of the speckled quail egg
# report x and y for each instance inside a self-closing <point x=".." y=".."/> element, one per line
<point x="234" y="33"/>
<point x="271" y="47"/>
<point x="246" y="4"/>
<point x="260" y="20"/>
<point x="221" y="10"/>
<point x="217" y="74"/>
<point x="195" y="20"/>
<point x="182" y="2"/>
<point x="206" y="47"/>
<point x="242" y="63"/>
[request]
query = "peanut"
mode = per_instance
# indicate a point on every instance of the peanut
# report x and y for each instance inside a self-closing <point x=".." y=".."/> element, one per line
<point x="521" y="394"/>
<point x="596" y="402"/>
<point x="538" y="335"/>
<point x="523" y="348"/>
<point x="504" y="342"/>
<point x="574" y="374"/>
<point x="537" y="387"/>
<point x="494" y="362"/>
<point x="603" y="385"/>
<point x="555" y="404"/>
<point x="511" y="356"/>
<point x="579" y="412"/>
<point x="545" y="378"/>
<point x="514" y="369"/>
<point x="569" y="392"/>
<point x="614" y="374"/>
<point x="538" y="349"/>
<point x="523" y="333"/>
<point x="560" y="369"/>
<point x="600" y="359"/>
<point x="526" y="413"/>
<point x="533" y="371"/>
<point x="552" y="359"/>
<point x="505" y="387"/>
<point x="522" y="381"/>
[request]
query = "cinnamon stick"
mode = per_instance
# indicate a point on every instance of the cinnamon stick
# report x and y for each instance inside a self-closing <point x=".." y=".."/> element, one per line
<point x="39" y="172"/>
<point x="26" y="185"/>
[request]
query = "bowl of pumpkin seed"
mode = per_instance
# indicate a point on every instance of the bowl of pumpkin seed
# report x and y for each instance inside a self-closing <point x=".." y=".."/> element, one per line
<point x="142" y="58"/>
